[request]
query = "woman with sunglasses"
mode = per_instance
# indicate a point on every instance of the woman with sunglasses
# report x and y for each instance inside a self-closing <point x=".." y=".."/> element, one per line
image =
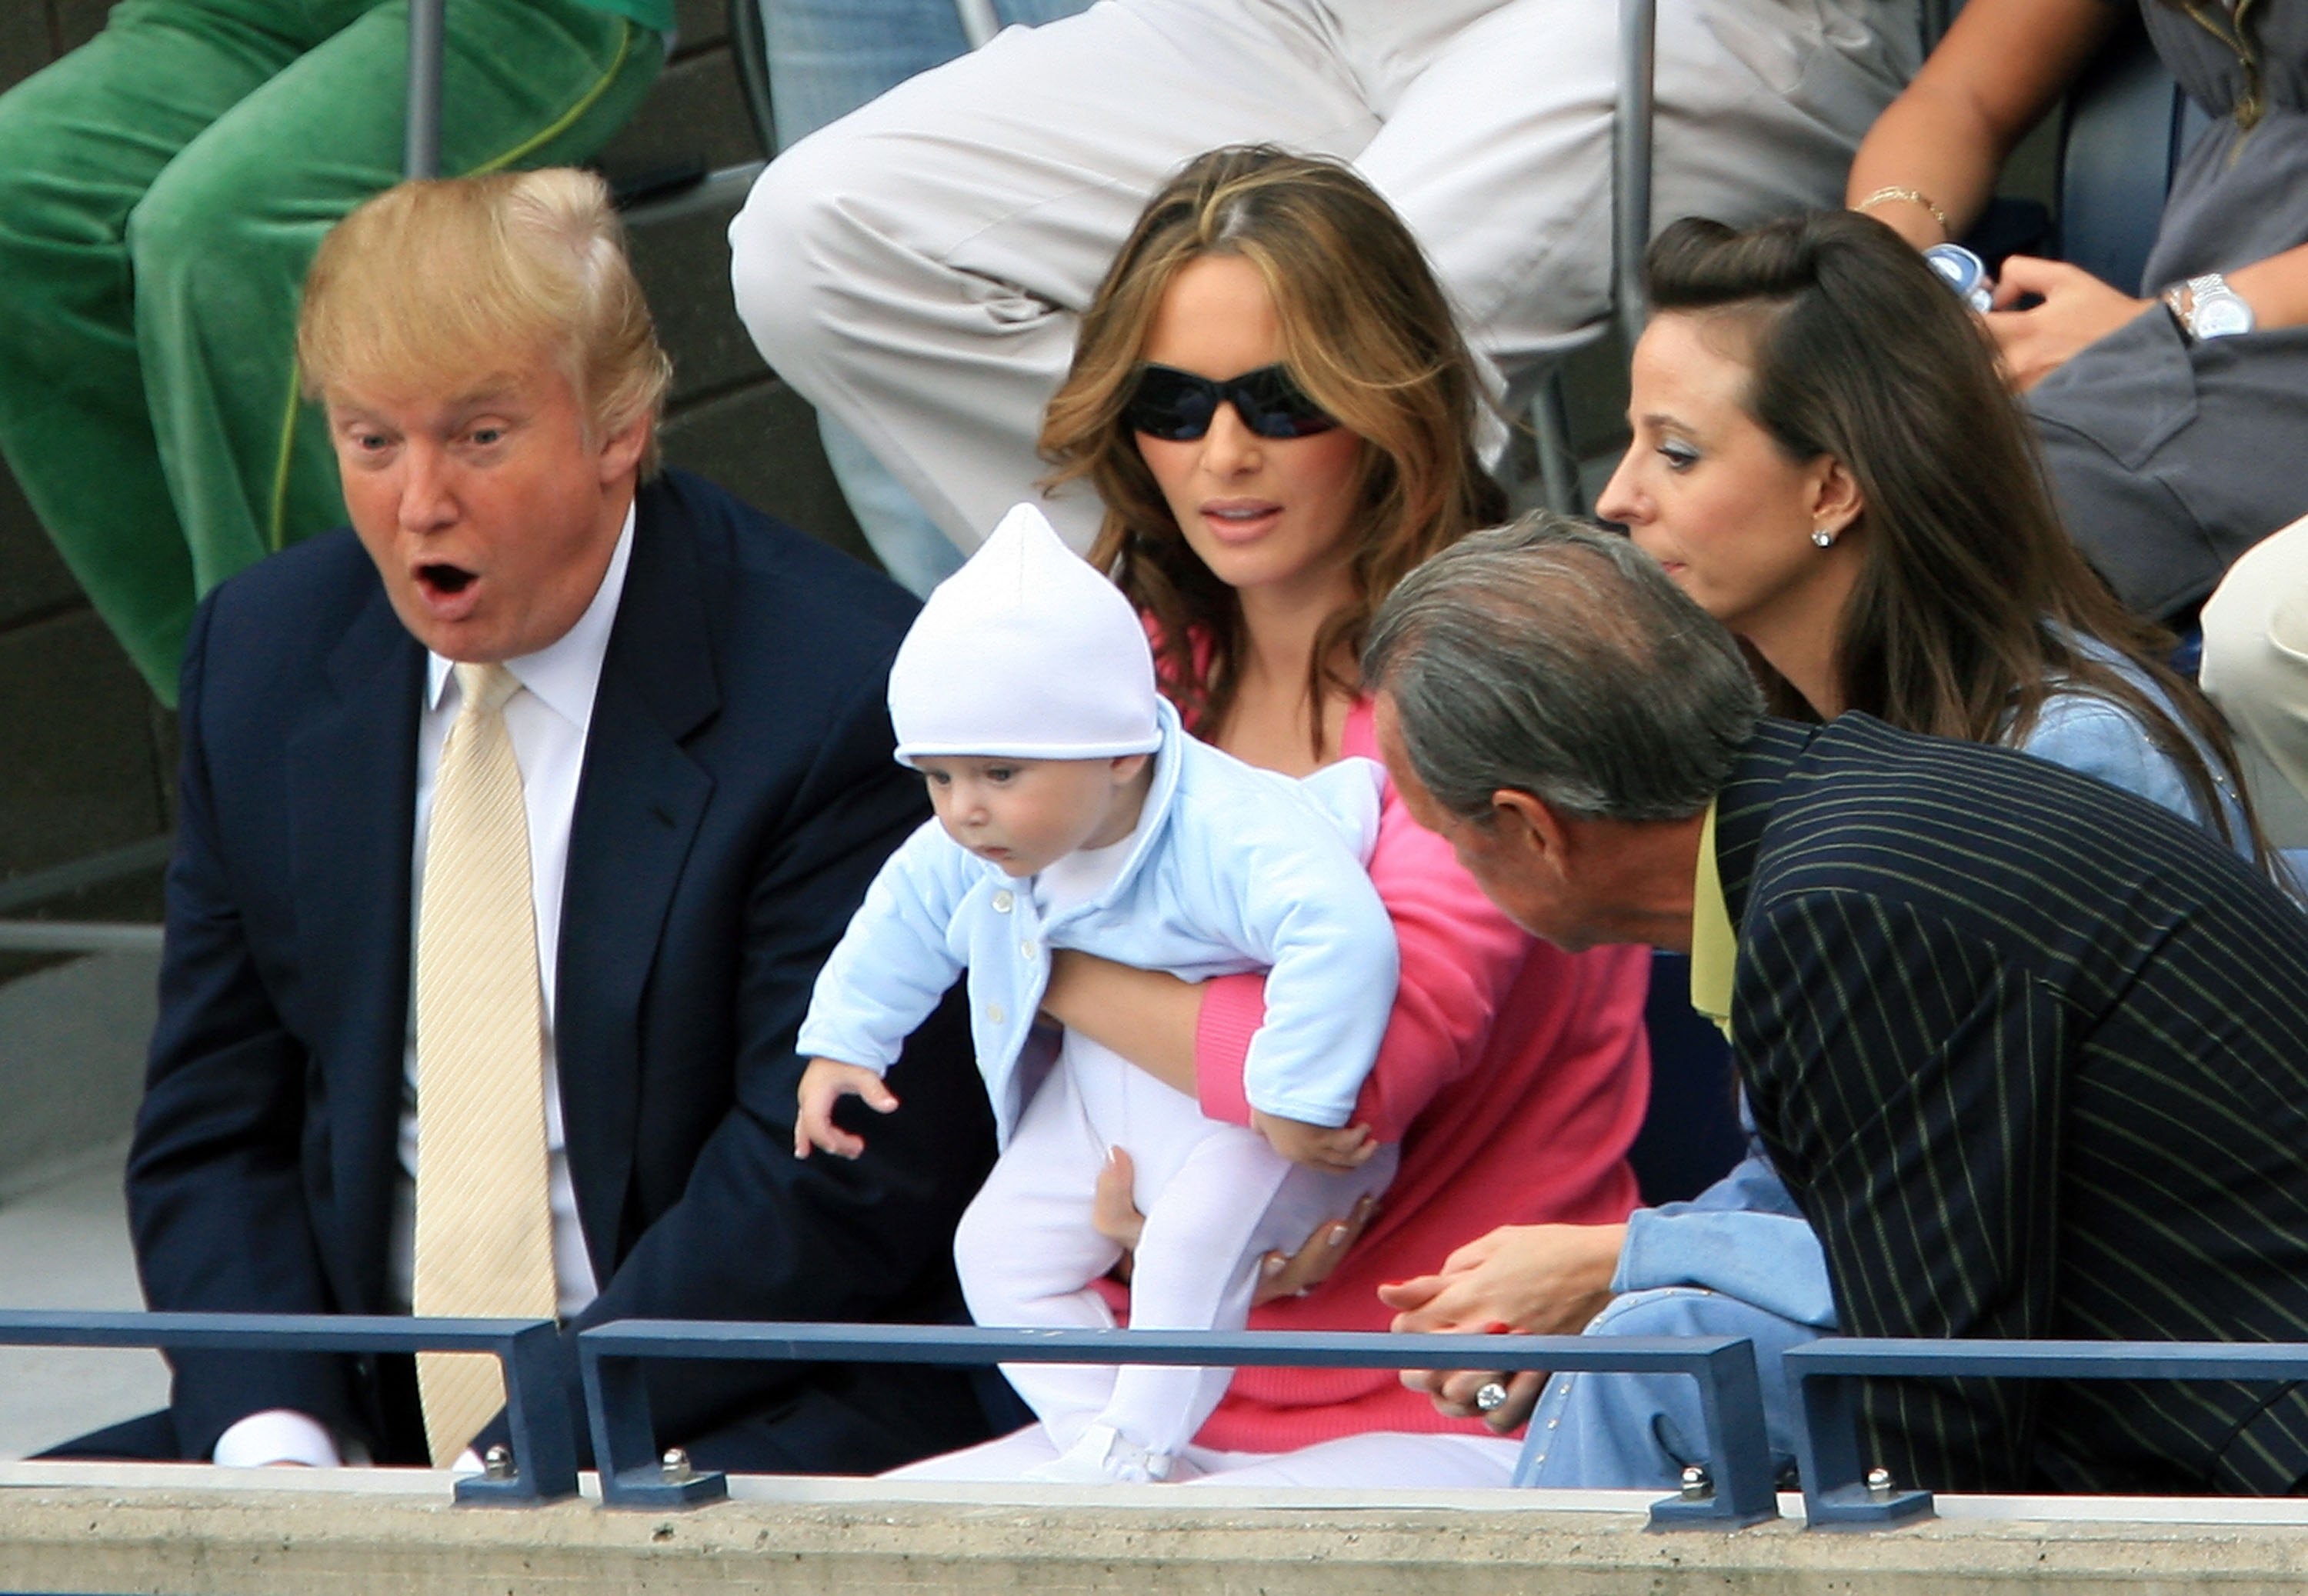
<point x="1271" y="397"/>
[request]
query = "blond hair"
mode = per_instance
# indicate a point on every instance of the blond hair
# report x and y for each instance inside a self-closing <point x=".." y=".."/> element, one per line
<point x="444" y="284"/>
<point x="1366" y="332"/>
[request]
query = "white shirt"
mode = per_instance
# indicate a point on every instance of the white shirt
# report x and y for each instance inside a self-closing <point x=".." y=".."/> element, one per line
<point x="547" y="723"/>
<point x="1076" y="878"/>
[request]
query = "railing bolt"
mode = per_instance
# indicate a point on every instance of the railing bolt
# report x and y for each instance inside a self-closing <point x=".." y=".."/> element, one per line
<point x="1878" y="1482"/>
<point x="1698" y="1485"/>
<point x="674" y="1466"/>
<point x="496" y="1464"/>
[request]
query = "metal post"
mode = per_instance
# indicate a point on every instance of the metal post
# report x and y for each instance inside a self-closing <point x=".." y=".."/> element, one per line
<point x="1835" y="1479"/>
<point x="1630" y="163"/>
<point x="978" y="20"/>
<point x="625" y="1439"/>
<point x="1826" y="1375"/>
<point x="537" y="1412"/>
<point x="1739" y="1445"/>
<point x="1558" y="461"/>
<point x="421" y="155"/>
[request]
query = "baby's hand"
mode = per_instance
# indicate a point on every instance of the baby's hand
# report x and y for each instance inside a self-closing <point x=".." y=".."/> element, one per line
<point x="823" y="1083"/>
<point x="1317" y="1147"/>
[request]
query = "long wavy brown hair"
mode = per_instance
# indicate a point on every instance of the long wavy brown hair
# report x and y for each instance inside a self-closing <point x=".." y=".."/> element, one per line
<point x="1973" y="605"/>
<point x="1366" y="332"/>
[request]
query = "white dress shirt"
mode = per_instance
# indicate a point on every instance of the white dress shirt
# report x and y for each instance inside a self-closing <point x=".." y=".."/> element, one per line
<point x="547" y="723"/>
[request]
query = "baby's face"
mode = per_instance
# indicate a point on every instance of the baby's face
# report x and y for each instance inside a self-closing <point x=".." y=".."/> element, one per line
<point x="1026" y="814"/>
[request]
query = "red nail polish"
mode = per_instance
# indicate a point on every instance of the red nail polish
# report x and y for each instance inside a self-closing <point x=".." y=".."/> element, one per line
<point x="1496" y="1327"/>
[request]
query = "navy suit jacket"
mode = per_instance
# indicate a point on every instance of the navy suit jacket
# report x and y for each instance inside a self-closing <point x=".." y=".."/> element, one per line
<point x="736" y="796"/>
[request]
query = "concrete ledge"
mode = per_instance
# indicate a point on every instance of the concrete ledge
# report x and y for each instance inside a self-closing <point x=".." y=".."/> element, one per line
<point x="400" y="1534"/>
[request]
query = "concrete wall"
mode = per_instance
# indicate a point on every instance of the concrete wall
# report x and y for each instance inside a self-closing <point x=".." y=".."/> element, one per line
<point x="261" y="1541"/>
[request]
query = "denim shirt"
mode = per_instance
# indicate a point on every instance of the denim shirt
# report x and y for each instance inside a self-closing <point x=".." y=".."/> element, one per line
<point x="1232" y="868"/>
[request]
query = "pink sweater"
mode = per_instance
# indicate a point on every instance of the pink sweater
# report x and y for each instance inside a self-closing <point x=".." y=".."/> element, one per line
<point x="1515" y="1076"/>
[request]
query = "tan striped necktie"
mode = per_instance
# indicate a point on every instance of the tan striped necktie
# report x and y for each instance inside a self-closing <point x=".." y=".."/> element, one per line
<point x="484" y="1218"/>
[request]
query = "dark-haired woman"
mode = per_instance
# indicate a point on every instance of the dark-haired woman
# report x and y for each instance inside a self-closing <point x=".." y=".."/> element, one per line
<point x="1825" y="459"/>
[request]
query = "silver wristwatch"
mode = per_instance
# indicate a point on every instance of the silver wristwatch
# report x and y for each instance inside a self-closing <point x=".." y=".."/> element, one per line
<point x="2207" y="307"/>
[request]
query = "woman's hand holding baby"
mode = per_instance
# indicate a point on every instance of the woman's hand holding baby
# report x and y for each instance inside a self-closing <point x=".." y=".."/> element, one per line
<point x="1317" y="1147"/>
<point x="825" y="1083"/>
<point x="1115" y="1216"/>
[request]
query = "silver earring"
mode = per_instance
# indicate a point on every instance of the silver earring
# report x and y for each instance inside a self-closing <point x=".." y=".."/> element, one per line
<point x="1821" y="536"/>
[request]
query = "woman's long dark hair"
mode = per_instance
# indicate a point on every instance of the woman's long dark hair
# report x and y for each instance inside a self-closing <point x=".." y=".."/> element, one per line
<point x="1366" y="332"/>
<point x="1971" y="601"/>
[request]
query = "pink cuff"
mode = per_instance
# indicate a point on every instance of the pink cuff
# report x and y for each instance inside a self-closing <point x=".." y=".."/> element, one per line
<point x="1233" y="1008"/>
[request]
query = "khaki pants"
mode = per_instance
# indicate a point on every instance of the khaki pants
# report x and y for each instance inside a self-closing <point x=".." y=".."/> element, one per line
<point x="2256" y="670"/>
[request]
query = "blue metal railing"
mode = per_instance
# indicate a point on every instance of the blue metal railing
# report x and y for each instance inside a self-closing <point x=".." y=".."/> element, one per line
<point x="609" y="1356"/>
<point x="544" y="1443"/>
<point x="1825" y="1375"/>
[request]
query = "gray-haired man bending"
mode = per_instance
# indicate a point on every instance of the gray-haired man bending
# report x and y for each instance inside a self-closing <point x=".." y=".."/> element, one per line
<point x="2030" y="1053"/>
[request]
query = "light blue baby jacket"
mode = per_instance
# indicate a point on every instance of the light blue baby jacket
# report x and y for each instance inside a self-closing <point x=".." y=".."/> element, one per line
<point x="1232" y="868"/>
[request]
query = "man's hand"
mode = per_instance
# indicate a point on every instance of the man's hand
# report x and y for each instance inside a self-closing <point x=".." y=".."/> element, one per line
<point x="1532" y="1279"/>
<point x="2078" y="309"/>
<point x="823" y="1083"/>
<point x="1317" y="1147"/>
<point x="1113" y="1213"/>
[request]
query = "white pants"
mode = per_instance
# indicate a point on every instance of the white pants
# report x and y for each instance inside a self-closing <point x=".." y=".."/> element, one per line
<point x="1378" y="1458"/>
<point x="2256" y="670"/>
<point x="916" y="267"/>
<point x="1216" y="1197"/>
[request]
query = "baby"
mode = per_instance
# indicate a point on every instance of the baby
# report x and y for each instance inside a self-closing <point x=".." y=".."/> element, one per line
<point x="1074" y="811"/>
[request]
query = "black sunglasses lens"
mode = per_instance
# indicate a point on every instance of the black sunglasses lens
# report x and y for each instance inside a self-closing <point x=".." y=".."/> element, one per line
<point x="1272" y="406"/>
<point x="1177" y="405"/>
<point x="1171" y="405"/>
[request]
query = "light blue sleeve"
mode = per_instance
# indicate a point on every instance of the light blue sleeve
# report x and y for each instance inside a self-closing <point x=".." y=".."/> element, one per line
<point x="896" y="960"/>
<point x="1743" y="1237"/>
<point x="1311" y="913"/>
<point x="2095" y="737"/>
<point x="1352" y="792"/>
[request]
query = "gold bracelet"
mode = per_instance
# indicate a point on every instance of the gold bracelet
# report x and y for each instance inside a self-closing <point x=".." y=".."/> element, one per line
<point x="1913" y="197"/>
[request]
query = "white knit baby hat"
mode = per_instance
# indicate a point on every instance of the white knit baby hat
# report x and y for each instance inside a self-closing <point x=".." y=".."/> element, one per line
<point x="1026" y="651"/>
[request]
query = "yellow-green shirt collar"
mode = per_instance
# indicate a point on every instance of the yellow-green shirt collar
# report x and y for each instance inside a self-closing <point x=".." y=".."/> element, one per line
<point x="1714" y="944"/>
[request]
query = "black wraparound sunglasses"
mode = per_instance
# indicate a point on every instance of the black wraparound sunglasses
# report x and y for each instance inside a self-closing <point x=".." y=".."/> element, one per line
<point x="1177" y="405"/>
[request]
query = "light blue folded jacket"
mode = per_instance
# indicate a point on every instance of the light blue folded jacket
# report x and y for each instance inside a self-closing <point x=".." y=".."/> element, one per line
<point x="1232" y="868"/>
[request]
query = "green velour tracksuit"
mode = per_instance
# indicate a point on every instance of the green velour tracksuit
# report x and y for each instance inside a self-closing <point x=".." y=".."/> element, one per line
<point x="162" y="191"/>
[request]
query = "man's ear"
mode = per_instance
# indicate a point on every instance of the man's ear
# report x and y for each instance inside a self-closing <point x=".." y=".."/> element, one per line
<point x="1522" y="822"/>
<point x="621" y="451"/>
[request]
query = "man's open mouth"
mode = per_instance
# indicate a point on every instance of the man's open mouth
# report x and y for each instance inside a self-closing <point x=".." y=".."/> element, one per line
<point x="445" y="579"/>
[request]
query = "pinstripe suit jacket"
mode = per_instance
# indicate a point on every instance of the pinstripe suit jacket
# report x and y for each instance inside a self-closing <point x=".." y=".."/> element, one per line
<point x="2032" y="1055"/>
